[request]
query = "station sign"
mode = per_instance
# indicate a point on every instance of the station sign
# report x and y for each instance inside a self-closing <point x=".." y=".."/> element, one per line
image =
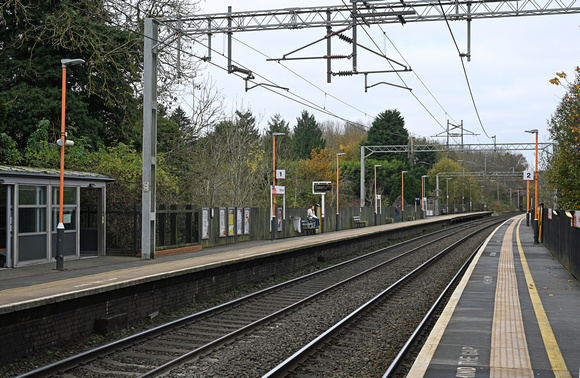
<point x="321" y="187"/>
<point x="278" y="189"/>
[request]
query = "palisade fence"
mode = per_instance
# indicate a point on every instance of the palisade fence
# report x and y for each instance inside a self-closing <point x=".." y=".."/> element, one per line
<point x="180" y="225"/>
<point x="177" y="225"/>
<point x="561" y="235"/>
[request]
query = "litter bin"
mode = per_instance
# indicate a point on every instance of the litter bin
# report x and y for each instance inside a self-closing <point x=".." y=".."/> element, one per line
<point x="296" y="222"/>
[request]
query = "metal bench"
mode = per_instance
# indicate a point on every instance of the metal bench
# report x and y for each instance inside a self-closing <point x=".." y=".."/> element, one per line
<point x="308" y="226"/>
<point x="357" y="222"/>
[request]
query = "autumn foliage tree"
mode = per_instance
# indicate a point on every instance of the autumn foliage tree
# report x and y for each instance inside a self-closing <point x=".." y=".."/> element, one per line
<point x="563" y="165"/>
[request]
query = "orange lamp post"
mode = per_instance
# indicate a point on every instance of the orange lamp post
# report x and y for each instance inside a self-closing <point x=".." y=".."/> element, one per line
<point x="403" y="196"/>
<point x="62" y="142"/>
<point x="376" y="192"/>
<point x="337" y="187"/>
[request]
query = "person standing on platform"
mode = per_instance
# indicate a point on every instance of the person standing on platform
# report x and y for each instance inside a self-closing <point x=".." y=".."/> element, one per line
<point x="398" y="211"/>
<point x="311" y="215"/>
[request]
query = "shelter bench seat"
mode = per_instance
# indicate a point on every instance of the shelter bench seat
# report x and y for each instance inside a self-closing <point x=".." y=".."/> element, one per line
<point x="308" y="227"/>
<point x="357" y="222"/>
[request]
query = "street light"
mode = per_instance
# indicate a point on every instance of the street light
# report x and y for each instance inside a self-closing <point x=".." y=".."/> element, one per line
<point x="273" y="203"/>
<point x="337" y="185"/>
<point x="470" y="201"/>
<point x="403" y="196"/>
<point x="62" y="142"/>
<point x="423" y="194"/>
<point x="462" y="183"/>
<point x="447" y="192"/>
<point x="376" y="192"/>
<point x="535" y="131"/>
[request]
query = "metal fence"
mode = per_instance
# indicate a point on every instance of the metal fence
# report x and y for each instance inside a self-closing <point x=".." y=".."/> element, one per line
<point x="560" y="233"/>
<point x="180" y="225"/>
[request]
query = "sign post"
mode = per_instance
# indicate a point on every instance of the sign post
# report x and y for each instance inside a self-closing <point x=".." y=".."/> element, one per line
<point x="321" y="187"/>
<point x="528" y="176"/>
<point x="277" y="190"/>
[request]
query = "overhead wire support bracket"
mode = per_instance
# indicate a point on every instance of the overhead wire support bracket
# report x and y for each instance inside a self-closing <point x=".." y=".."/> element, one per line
<point x="244" y="71"/>
<point x="326" y="37"/>
<point x="263" y="85"/>
<point x="310" y="58"/>
<point x="367" y="87"/>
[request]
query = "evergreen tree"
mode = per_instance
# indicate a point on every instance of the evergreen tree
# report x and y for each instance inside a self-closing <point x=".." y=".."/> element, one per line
<point x="388" y="129"/>
<point x="100" y="100"/>
<point x="181" y="119"/>
<point x="307" y="136"/>
<point x="284" y="145"/>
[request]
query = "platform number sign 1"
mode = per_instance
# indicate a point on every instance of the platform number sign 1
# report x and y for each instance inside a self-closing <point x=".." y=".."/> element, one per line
<point x="528" y="175"/>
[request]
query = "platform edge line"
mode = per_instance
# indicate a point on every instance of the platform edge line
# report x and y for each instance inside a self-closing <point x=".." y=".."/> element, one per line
<point x="557" y="362"/>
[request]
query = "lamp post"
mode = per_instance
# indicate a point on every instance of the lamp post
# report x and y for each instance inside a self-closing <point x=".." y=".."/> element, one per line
<point x="470" y="201"/>
<point x="447" y="192"/>
<point x="376" y="192"/>
<point x="535" y="131"/>
<point x="62" y="142"/>
<point x="337" y="185"/>
<point x="423" y="195"/>
<point x="273" y="203"/>
<point x="462" y="183"/>
<point x="403" y="196"/>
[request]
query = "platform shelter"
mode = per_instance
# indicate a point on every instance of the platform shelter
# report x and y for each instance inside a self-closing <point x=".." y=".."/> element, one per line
<point x="29" y="212"/>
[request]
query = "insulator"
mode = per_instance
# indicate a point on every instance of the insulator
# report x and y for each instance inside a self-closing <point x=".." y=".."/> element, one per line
<point x="345" y="73"/>
<point x="345" y="38"/>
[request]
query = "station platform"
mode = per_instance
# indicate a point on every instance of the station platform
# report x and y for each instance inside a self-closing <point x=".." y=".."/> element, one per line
<point x="516" y="313"/>
<point x="37" y="285"/>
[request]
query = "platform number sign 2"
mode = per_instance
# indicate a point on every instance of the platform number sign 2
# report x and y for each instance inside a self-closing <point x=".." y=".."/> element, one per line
<point x="528" y="175"/>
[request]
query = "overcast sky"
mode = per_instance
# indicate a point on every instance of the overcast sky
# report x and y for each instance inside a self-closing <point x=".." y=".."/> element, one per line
<point x="512" y="62"/>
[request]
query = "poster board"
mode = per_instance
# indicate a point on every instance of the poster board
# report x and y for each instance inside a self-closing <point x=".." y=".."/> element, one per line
<point x="239" y="221"/>
<point x="205" y="223"/>
<point x="247" y="221"/>
<point x="279" y="218"/>
<point x="222" y="222"/>
<point x="231" y="223"/>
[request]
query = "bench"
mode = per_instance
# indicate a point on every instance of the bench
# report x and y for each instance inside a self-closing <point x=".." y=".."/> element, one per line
<point x="357" y="222"/>
<point x="307" y="226"/>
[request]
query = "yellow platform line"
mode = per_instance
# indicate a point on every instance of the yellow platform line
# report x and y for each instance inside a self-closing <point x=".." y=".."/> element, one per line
<point x="509" y="356"/>
<point x="552" y="349"/>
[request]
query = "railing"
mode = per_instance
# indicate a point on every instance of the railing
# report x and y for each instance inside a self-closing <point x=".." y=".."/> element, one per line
<point x="561" y="235"/>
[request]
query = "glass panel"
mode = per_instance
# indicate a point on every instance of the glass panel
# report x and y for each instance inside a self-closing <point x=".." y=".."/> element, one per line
<point x="31" y="219"/>
<point x="69" y="218"/>
<point x="69" y="196"/>
<point x="32" y="247"/>
<point x="32" y="195"/>
<point x="2" y="220"/>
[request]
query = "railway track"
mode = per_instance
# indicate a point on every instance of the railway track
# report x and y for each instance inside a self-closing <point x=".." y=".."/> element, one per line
<point x="338" y="349"/>
<point x="205" y="343"/>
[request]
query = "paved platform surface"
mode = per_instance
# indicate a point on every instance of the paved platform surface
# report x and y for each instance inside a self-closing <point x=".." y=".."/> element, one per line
<point x="515" y="314"/>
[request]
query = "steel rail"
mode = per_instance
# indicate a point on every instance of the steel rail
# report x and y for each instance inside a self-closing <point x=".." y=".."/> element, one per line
<point x="235" y="334"/>
<point x="326" y="337"/>
<point x="395" y="364"/>
<point x="81" y="358"/>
